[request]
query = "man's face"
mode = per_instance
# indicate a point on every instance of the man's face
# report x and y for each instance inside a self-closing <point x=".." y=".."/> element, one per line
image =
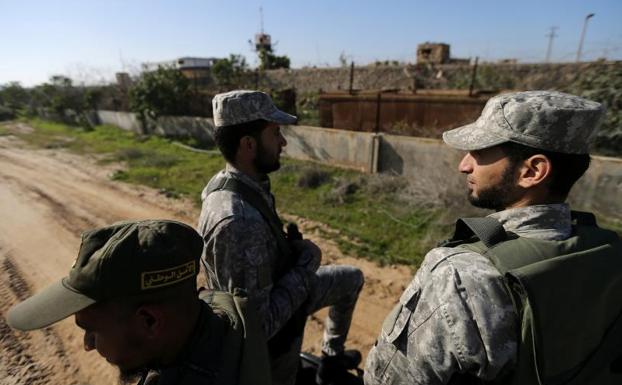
<point x="114" y="333"/>
<point x="490" y="178"/>
<point x="269" y="147"/>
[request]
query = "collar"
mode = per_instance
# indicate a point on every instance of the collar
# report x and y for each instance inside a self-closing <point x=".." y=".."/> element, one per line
<point x="548" y="222"/>
<point x="263" y="186"/>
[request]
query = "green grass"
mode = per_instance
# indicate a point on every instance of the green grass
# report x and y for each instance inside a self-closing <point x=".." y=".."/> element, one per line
<point x="369" y="222"/>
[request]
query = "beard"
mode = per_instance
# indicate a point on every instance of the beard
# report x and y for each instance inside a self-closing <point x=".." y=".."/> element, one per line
<point x="264" y="162"/>
<point x="499" y="196"/>
<point x="131" y="376"/>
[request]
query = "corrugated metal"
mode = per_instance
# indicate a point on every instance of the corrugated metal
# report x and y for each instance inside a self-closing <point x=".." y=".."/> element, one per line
<point x="426" y="115"/>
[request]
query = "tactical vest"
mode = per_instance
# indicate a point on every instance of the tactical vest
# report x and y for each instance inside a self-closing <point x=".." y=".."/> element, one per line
<point x="232" y="350"/>
<point x="281" y="342"/>
<point x="568" y="295"/>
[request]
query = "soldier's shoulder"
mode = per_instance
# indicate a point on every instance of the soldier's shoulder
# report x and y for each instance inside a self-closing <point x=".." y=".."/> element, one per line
<point x="459" y="261"/>
<point x="223" y="204"/>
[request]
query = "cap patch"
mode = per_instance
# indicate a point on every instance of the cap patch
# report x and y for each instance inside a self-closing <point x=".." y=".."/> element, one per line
<point x="159" y="278"/>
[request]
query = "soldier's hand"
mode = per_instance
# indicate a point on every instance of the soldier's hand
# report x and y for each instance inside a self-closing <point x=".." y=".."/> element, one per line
<point x="309" y="255"/>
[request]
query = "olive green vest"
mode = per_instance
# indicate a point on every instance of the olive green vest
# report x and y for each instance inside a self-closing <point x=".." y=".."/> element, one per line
<point x="568" y="295"/>
<point x="229" y="348"/>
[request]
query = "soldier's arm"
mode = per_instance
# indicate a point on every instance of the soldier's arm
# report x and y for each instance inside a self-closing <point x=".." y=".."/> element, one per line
<point x="243" y="253"/>
<point x="464" y="321"/>
<point x="456" y="319"/>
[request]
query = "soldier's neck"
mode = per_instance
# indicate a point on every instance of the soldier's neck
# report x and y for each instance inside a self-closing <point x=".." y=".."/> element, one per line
<point x="248" y="169"/>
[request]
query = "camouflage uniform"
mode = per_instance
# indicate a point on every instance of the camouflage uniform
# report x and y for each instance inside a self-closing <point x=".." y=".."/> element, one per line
<point x="241" y="251"/>
<point x="456" y="315"/>
<point x="456" y="320"/>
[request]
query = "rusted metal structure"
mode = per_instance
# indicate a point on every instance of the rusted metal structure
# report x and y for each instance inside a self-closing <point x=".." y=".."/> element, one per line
<point x="425" y="114"/>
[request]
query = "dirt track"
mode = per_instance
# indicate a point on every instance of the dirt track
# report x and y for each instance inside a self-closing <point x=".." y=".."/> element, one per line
<point x="47" y="197"/>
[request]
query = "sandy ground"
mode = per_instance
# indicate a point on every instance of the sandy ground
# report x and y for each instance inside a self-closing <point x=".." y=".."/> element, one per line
<point x="48" y="197"/>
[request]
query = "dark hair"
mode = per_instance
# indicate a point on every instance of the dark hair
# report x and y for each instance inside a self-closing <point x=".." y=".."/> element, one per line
<point x="228" y="137"/>
<point x="566" y="169"/>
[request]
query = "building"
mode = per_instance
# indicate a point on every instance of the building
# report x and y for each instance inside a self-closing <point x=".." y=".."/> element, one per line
<point x="433" y="53"/>
<point x="196" y="69"/>
<point x="437" y="53"/>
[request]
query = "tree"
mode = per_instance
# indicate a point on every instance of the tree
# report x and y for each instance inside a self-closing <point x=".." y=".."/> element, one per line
<point x="165" y="91"/>
<point x="229" y="70"/>
<point x="13" y="96"/>
<point x="269" y="61"/>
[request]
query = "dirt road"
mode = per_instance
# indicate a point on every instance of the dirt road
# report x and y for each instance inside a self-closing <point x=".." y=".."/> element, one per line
<point x="47" y="197"/>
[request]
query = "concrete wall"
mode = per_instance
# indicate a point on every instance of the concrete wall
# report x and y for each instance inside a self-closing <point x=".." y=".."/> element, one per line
<point x="125" y="120"/>
<point x="433" y="168"/>
<point x="428" y="164"/>
<point x="200" y="129"/>
<point x="337" y="147"/>
<point x="600" y="189"/>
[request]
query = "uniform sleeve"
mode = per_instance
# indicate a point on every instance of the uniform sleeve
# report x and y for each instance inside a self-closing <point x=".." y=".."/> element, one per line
<point x="456" y="318"/>
<point x="464" y="321"/>
<point x="242" y="255"/>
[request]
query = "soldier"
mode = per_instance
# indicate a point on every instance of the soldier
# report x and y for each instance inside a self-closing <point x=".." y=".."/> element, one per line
<point x="528" y="294"/>
<point x="245" y="245"/>
<point x="133" y="292"/>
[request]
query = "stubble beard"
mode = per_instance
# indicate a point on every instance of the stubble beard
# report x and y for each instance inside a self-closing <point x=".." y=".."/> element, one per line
<point x="263" y="162"/>
<point x="496" y="197"/>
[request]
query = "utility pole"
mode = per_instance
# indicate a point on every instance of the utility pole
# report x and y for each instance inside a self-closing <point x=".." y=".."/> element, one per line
<point x="587" y="18"/>
<point x="551" y="36"/>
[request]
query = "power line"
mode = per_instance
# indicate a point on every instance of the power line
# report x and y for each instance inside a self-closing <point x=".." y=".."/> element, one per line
<point x="551" y="36"/>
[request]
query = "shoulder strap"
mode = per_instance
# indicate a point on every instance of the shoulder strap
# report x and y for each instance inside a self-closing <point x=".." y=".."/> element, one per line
<point x="487" y="230"/>
<point x="252" y="366"/>
<point x="258" y="202"/>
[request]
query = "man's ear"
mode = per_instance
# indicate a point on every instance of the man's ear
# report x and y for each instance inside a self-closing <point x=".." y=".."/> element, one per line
<point x="248" y="144"/>
<point x="534" y="171"/>
<point x="150" y="320"/>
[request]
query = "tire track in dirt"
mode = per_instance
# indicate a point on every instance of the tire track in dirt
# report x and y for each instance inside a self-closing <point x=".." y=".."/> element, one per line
<point x="49" y="197"/>
<point x="19" y="366"/>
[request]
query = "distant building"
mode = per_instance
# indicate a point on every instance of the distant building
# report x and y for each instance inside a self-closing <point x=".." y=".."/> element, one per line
<point x="433" y="53"/>
<point x="123" y="80"/>
<point x="194" y="68"/>
<point x="507" y="61"/>
<point x="437" y="53"/>
<point x="263" y="41"/>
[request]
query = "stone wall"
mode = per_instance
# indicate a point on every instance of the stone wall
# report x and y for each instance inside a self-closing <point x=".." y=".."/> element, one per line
<point x="446" y="76"/>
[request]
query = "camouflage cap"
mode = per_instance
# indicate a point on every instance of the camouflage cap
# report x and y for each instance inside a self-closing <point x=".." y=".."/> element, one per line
<point x="122" y="260"/>
<point x="548" y="120"/>
<point x="243" y="106"/>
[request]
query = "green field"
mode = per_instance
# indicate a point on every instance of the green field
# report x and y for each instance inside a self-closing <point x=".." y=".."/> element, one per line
<point x="367" y="215"/>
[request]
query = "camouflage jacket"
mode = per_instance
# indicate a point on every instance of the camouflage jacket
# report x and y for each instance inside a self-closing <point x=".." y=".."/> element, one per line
<point x="456" y="315"/>
<point x="241" y="251"/>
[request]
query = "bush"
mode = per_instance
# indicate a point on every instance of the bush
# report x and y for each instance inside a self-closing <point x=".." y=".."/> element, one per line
<point x="6" y="114"/>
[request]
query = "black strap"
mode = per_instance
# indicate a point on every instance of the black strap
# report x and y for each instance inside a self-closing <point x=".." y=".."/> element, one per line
<point x="255" y="199"/>
<point x="279" y="343"/>
<point x="583" y="218"/>
<point x="488" y="230"/>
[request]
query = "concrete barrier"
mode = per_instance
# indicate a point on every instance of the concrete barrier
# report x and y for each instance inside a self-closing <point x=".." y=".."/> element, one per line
<point x="433" y="167"/>
<point x="201" y="129"/>
<point x="336" y="147"/>
<point x="600" y="189"/>
<point x="125" y="120"/>
<point x="428" y="164"/>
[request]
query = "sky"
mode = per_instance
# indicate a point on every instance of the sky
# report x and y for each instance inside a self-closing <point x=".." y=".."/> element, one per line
<point x="90" y="40"/>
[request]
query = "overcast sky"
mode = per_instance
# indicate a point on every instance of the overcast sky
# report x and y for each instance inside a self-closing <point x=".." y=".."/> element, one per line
<point x="90" y="40"/>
